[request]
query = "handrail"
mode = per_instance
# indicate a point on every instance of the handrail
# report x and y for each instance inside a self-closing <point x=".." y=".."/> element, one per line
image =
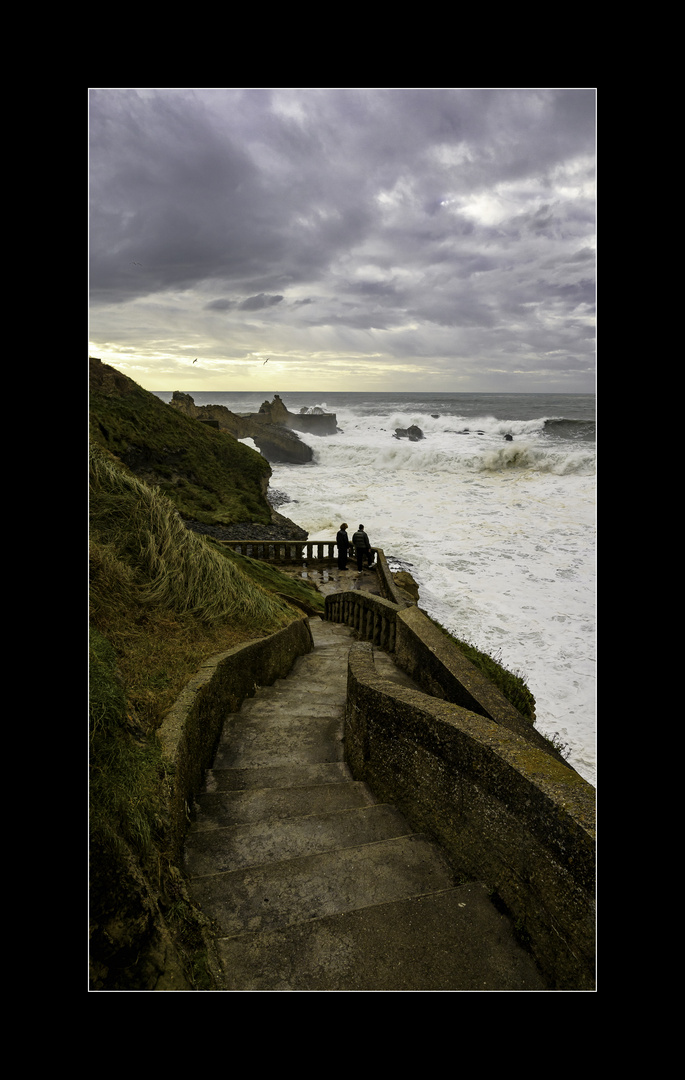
<point x="372" y="617"/>
<point x="315" y="551"/>
<point x="285" y="550"/>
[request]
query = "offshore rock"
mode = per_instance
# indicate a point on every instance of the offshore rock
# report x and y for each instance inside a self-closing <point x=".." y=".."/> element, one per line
<point x="316" y="422"/>
<point x="412" y="433"/>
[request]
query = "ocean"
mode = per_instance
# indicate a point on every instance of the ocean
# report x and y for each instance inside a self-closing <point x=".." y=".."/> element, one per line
<point x="499" y="533"/>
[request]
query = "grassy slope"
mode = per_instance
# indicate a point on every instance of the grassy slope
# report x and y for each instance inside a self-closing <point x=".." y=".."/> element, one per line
<point x="207" y="474"/>
<point x="162" y="599"/>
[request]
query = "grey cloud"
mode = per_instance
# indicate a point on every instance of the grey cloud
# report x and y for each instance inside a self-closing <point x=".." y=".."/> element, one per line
<point x="256" y="303"/>
<point x="220" y="305"/>
<point x="449" y="207"/>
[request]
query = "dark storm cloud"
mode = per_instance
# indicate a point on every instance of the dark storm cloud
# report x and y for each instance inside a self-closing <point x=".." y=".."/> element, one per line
<point x="365" y="208"/>
<point x="257" y="303"/>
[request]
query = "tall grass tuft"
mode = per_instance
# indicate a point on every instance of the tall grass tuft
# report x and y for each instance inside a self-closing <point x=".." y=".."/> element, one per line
<point x="161" y="563"/>
<point x="126" y="766"/>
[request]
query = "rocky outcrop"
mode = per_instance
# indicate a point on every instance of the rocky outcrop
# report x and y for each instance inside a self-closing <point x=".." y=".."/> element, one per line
<point x="412" y="433"/>
<point x="281" y="444"/>
<point x="316" y="422"/>
<point x="282" y="528"/>
<point x="267" y="428"/>
<point x="406" y="585"/>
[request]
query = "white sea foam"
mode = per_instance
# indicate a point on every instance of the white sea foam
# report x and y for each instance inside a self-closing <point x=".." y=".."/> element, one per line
<point x="499" y="535"/>
<point x="251" y="443"/>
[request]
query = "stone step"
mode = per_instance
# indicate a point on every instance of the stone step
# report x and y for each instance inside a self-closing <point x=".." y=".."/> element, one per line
<point x="275" y="776"/>
<point x="288" y="891"/>
<point x="256" y="843"/>
<point x="267" y="740"/>
<point x="450" y="940"/>
<point x="220" y="809"/>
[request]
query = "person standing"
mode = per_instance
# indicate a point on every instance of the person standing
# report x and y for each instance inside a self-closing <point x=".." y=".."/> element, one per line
<point x="343" y="542"/>
<point x="362" y="546"/>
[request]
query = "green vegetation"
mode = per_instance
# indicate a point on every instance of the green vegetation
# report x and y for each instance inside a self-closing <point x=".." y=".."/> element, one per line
<point x="166" y="565"/>
<point x="274" y="580"/>
<point x="511" y="684"/>
<point x="162" y="600"/>
<point x="126" y="766"/>
<point x="207" y="474"/>
<point x="558" y="744"/>
<point x="164" y="597"/>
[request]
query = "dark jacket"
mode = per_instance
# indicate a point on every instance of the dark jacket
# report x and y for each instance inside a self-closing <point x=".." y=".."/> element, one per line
<point x="360" y="539"/>
<point x="342" y="540"/>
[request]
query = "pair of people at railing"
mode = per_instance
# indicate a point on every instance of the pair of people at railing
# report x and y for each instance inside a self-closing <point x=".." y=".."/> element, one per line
<point x="361" y="544"/>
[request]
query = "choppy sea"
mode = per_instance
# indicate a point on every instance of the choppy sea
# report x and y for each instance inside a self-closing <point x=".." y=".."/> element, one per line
<point x="499" y="533"/>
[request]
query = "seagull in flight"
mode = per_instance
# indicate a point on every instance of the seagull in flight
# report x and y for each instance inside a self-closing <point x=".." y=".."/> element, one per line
<point x="195" y="360"/>
<point x="266" y="361"/>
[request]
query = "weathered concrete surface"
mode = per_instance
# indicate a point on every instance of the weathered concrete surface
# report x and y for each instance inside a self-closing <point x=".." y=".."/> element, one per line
<point x="313" y="885"/>
<point x="374" y="948"/>
<point x="504" y="811"/>
<point x="442" y="670"/>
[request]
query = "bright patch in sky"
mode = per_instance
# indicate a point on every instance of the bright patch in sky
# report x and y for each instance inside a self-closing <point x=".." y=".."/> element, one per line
<point x="444" y="232"/>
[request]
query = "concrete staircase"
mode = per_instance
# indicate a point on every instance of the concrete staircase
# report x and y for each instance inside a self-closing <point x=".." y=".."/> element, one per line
<point x="311" y="884"/>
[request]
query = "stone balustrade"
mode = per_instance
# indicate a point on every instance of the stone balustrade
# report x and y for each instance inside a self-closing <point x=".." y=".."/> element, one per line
<point x="285" y="551"/>
<point x="371" y="616"/>
<point x="312" y="552"/>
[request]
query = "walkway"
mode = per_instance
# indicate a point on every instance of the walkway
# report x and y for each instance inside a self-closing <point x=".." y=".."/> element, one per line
<point x="310" y="883"/>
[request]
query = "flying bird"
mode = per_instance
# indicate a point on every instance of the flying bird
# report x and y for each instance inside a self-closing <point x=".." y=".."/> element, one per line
<point x="195" y="360"/>
<point x="266" y="361"/>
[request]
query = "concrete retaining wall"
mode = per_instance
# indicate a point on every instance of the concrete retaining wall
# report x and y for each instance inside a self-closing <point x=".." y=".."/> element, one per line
<point x="191" y="729"/>
<point x="387" y="582"/>
<point x="506" y="812"/>
<point x="430" y="659"/>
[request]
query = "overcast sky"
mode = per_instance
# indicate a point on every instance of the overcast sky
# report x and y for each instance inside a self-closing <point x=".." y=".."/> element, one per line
<point x="438" y="239"/>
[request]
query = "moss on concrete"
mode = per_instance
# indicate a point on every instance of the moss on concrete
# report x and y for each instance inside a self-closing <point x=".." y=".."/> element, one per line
<point x="505" y="812"/>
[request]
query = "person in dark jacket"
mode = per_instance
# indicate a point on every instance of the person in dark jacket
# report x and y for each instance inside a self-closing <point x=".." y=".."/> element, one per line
<point x="362" y="547"/>
<point x="343" y="542"/>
